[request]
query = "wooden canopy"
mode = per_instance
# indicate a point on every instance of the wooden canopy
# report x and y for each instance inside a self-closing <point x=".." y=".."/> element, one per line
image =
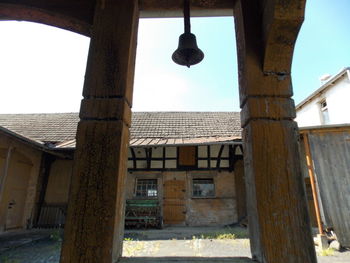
<point x="77" y="15"/>
<point x="266" y="31"/>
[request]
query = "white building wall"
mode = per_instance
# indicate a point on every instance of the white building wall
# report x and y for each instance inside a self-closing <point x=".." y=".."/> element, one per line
<point x="337" y="97"/>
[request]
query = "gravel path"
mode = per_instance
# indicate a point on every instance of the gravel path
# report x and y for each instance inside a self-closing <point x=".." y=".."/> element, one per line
<point x="157" y="247"/>
<point x="44" y="251"/>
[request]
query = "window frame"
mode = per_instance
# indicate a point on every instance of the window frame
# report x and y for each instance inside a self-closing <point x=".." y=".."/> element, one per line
<point x="203" y="178"/>
<point x="324" y="111"/>
<point x="137" y="179"/>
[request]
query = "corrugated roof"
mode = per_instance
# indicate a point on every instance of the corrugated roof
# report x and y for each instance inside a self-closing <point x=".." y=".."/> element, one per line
<point x="147" y="128"/>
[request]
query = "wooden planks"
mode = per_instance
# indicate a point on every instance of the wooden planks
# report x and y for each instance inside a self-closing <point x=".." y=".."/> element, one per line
<point x="187" y="156"/>
<point x="331" y="154"/>
<point x="174" y="202"/>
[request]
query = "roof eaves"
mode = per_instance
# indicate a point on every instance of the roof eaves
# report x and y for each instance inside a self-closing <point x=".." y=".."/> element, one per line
<point x="38" y="145"/>
<point x="324" y="127"/>
<point x="323" y="87"/>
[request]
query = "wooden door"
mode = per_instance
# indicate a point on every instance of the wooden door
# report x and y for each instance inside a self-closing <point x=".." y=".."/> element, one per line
<point x="174" y="210"/>
<point x="16" y="193"/>
<point x="15" y="209"/>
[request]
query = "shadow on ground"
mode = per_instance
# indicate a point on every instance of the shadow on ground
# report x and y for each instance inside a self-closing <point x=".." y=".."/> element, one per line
<point x="185" y="259"/>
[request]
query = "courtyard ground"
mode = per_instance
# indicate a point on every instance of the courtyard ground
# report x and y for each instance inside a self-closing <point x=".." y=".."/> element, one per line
<point x="172" y="244"/>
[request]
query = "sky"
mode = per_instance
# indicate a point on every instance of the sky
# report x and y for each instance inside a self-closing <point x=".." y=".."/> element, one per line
<point x="42" y="67"/>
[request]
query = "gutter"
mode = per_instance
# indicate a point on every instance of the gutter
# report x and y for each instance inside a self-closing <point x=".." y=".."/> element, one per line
<point x="34" y="143"/>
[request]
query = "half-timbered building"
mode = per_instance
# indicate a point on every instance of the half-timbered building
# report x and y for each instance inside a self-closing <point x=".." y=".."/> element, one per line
<point x="266" y="32"/>
<point x="189" y="162"/>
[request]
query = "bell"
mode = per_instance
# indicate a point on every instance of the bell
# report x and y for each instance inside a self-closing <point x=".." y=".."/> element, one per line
<point x="188" y="53"/>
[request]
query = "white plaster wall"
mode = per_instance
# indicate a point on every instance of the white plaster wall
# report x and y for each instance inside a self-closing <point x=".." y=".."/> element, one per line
<point x="338" y="103"/>
<point x="309" y="115"/>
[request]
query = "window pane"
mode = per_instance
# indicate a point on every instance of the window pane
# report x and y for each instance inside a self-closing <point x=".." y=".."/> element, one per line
<point x="146" y="188"/>
<point x="203" y="187"/>
<point x="325" y="116"/>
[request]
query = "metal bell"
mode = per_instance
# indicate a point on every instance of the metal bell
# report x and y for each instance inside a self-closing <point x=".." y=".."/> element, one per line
<point x="188" y="53"/>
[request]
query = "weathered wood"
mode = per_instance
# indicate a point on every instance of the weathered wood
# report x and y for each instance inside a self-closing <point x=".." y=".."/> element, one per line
<point x="277" y="210"/>
<point x="241" y="198"/>
<point x="95" y="217"/>
<point x="3" y="178"/>
<point x="267" y="108"/>
<point x="77" y="15"/>
<point x="331" y="152"/>
<point x="312" y="181"/>
<point x="276" y="199"/>
<point x="43" y="180"/>
<point x="281" y="24"/>
<point x="93" y="228"/>
<point x="5" y="169"/>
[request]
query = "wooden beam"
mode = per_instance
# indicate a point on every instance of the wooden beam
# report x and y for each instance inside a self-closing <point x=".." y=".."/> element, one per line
<point x="276" y="201"/>
<point x="95" y="218"/>
<point x="310" y="170"/>
<point x="45" y="168"/>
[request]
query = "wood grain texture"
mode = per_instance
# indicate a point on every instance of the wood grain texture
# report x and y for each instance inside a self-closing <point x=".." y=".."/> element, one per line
<point x="267" y="108"/>
<point x="277" y="205"/>
<point x="277" y="209"/>
<point x="174" y="202"/>
<point x="241" y="198"/>
<point x="78" y="15"/>
<point x="253" y="81"/>
<point x="331" y="153"/>
<point x="108" y="108"/>
<point x="95" y="218"/>
<point x="281" y="24"/>
<point x="111" y="59"/>
<point x="311" y="174"/>
<point x="95" y="207"/>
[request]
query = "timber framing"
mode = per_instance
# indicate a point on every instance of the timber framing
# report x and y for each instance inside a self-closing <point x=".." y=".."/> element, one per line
<point x="266" y="32"/>
<point x="78" y="15"/>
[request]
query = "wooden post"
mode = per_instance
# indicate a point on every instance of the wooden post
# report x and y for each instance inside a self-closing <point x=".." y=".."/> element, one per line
<point x="310" y="170"/>
<point x="45" y="168"/>
<point x="279" y="224"/>
<point x="95" y="217"/>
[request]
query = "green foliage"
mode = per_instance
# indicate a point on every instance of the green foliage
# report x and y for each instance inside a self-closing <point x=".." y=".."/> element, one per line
<point x="228" y="233"/>
<point x="128" y="239"/>
<point x="56" y="235"/>
<point x="326" y="252"/>
<point x="8" y="260"/>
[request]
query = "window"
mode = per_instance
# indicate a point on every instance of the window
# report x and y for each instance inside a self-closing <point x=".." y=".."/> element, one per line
<point x="324" y="112"/>
<point x="203" y="187"/>
<point x="146" y="188"/>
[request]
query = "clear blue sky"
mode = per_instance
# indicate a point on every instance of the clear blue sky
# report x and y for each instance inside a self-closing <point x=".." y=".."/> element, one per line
<point x="42" y="68"/>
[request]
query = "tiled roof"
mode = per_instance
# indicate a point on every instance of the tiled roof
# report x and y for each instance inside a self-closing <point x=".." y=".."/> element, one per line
<point x="50" y="127"/>
<point x="148" y="128"/>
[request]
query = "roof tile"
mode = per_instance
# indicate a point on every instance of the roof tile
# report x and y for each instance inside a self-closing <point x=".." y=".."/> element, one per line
<point x="154" y="126"/>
